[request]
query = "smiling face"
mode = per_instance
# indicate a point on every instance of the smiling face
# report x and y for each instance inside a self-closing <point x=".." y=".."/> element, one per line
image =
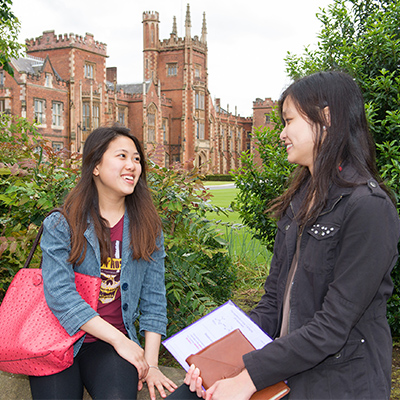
<point x="298" y="136"/>
<point x="119" y="169"/>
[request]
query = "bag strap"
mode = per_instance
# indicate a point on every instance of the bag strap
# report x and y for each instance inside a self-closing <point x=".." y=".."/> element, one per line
<point x="37" y="240"/>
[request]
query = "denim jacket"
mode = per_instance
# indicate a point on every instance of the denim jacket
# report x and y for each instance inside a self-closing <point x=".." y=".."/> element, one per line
<point x="142" y="282"/>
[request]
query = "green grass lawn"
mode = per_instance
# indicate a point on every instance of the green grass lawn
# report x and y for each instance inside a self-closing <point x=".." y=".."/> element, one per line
<point x="250" y="257"/>
<point x="241" y="244"/>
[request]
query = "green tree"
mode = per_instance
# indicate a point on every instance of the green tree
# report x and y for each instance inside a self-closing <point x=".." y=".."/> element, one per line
<point x="34" y="179"/>
<point x="258" y="185"/>
<point x="361" y="37"/>
<point x="9" y="30"/>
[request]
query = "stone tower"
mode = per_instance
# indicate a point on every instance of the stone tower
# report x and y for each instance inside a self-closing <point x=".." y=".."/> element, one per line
<point x="150" y="45"/>
<point x="178" y="67"/>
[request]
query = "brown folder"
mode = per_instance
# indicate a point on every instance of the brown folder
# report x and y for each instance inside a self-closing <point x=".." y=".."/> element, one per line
<point x="223" y="359"/>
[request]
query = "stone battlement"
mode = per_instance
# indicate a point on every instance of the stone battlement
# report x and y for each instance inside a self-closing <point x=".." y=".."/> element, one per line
<point x="175" y="42"/>
<point x="151" y="16"/>
<point x="264" y="103"/>
<point x="49" y="40"/>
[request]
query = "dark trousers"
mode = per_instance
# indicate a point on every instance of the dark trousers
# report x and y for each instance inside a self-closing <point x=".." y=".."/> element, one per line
<point x="98" y="367"/>
<point x="183" y="393"/>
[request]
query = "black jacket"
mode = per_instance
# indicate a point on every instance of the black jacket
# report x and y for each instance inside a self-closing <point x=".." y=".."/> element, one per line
<point x="339" y="344"/>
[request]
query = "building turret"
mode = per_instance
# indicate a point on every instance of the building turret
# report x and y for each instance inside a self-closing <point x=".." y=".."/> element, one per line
<point x="204" y="30"/>
<point x="174" y="28"/>
<point x="150" y="45"/>
<point x="188" y="24"/>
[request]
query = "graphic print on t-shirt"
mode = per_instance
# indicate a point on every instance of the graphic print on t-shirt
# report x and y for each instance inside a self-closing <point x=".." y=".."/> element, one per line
<point x="109" y="305"/>
<point x="111" y="274"/>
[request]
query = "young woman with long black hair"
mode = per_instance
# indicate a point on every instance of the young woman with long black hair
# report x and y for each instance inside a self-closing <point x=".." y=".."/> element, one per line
<point x="336" y="244"/>
<point x="108" y="227"/>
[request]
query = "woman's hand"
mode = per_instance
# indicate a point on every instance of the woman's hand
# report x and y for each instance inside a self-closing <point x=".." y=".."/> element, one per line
<point x="132" y="352"/>
<point x="195" y="383"/>
<point x="241" y="387"/>
<point x="155" y="378"/>
<point x="124" y="346"/>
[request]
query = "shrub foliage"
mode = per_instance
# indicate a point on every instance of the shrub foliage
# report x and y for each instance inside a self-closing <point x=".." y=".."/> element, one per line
<point x="34" y="179"/>
<point x="363" y="39"/>
<point x="258" y="185"/>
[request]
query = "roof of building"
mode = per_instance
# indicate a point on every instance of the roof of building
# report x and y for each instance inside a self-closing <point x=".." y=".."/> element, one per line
<point x="134" y="88"/>
<point x="31" y="65"/>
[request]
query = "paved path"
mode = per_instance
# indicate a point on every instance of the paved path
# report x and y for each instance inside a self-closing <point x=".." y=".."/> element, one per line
<point x="16" y="387"/>
<point x="216" y="187"/>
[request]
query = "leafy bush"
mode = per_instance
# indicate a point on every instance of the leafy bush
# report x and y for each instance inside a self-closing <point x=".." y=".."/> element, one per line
<point x="258" y="185"/>
<point x="217" y="177"/>
<point x="199" y="271"/>
<point x="362" y="37"/>
<point x="389" y="164"/>
<point x="34" y="179"/>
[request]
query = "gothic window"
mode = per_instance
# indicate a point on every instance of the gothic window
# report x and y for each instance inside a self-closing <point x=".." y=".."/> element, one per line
<point x="199" y="101"/>
<point x="197" y="72"/>
<point x="2" y="105"/>
<point x="267" y="118"/>
<point x="201" y="136"/>
<point x="121" y="116"/>
<point x="89" y="70"/>
<point x="151" y="132"/>
<point x="85" y="116"/>
<point x="172" y="69"/>
<point x="164" y="128"/>
<point x="57" y="111"/>
<point x="96" y="116"/>
<point x="200" y="130"/>
<point x="47" y="81"/>
<point x="2" y="78"/>
<point x="39" y="111"/>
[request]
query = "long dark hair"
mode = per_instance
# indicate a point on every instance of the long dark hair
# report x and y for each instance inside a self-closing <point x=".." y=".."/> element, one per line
<point x="343" y="139"/>
<point x="83" y="202"/>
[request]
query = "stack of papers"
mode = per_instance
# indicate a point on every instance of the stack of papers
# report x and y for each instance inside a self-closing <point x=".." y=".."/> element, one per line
<point x="214" y="326"/>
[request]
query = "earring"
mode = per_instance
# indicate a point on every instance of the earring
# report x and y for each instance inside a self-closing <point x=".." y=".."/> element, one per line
<point x="324" y="128"/>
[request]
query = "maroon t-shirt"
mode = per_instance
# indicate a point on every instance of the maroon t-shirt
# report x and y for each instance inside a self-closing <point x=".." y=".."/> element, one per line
<point x="109" y="305"/>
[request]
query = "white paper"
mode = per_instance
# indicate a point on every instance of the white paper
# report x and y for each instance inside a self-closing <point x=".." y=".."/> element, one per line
<point x="212" y="327"/>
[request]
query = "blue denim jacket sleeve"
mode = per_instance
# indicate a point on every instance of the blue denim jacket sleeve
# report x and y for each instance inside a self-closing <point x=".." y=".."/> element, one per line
<point x="58" y="276"/>
<point x="153" y="303"/>
<point x="142" y="282"/>
<point x="143" y="289"/>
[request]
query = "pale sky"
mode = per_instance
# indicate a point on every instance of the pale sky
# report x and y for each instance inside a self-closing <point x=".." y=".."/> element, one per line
<point x="247" y="39"/>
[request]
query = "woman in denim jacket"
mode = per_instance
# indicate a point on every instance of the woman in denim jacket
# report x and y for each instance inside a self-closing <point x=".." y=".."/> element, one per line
<point x="108" y="227"/>
<point x="336" y="244"/>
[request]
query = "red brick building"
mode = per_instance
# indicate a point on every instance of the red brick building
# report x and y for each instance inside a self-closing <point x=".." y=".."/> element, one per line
<point x="65" y="86"/>
<point x="261" y="119"/>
